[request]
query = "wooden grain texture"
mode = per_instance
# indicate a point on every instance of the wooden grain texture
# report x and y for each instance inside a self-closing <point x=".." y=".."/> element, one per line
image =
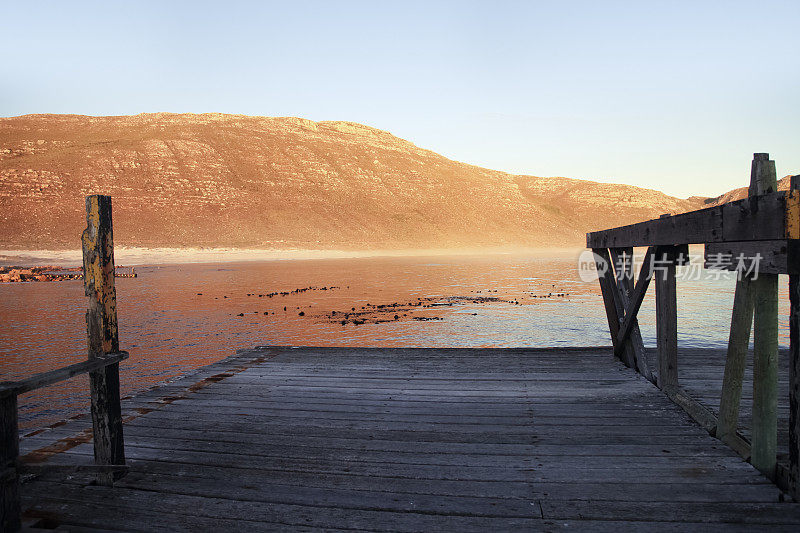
<point x="767" y="257"/>
<point x="409" y="440"/>
<point x="793" y="211"/>
<point x="9" y="477"/>
<point x="102" y="335"/>
<point x="736" y="360"/>
<point x="794" y="386"/>
<point x="765" y="335"/>
<point x="60" y="374"/>
<point x="666" y="319"/>
<point x="639" y="291"/>
<point x="635" y="357"/>
<point x="759" y="218"/>
<point x="608" y="289"/>
<point x="794" y="353"/>
<point x="702" y="373"/>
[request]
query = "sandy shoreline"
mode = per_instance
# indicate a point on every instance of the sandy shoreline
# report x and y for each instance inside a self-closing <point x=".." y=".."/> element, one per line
<point x="149" y="256"/>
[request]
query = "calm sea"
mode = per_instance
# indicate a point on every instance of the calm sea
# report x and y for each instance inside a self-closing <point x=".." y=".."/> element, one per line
<point x="174" y="318"/>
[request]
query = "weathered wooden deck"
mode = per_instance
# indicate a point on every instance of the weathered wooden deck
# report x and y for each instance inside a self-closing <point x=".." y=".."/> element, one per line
<point x="406" y="440"/>
<point x="702" y="371"/>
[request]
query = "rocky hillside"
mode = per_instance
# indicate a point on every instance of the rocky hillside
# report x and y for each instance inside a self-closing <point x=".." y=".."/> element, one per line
<point x="230" y="180"/>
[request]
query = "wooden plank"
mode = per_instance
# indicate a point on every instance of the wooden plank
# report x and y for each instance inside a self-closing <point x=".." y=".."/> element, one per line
<point x="635" y="355"/>
<point x="101" y="327"/>
<point x="298" y="442"/>
<point x="735" y="362"/>
<point x="741" y="317"/>
<point x="793" y="210"/>
<point x="765" y="336"/>
<point x="9" y="477"/>
<point x="608" y="290"/>
<point x="666" y="318"/>
<point x="794" y="386"/>
<point x="693" y="408"/>
<point x="760" y="218"/>
<point x="391" y="515"/>
<point x="793" y="222"/>
<point x="60" y="374"/>
<point x="774" y="513"/>
<point x="764" y="257"/>
<point x="645" y="274"/>
<point x="700" y="226"/>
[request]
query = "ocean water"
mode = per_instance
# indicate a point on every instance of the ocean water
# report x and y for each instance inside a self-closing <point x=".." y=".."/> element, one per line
<point x="174" y="318"/>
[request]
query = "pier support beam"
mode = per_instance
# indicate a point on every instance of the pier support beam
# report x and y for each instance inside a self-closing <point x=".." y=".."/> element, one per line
<point x="666" y="316"/>
<point x="763" y="180"/>
<point x="634" y="346"/>
<point x="9" y="474"/>
<point x="794" y="386"/>
<point x="101" y="327"/>
<point x="605" y="273"/>
<point x="736" y="360"/>
<point x="794" y="374"/>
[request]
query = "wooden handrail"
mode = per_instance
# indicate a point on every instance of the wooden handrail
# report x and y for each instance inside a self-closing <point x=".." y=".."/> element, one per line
<point x="760" y="218"/>
<point x="759" y="232"/>
<point x="50" y="377"/>
<point x="102" y="367"/>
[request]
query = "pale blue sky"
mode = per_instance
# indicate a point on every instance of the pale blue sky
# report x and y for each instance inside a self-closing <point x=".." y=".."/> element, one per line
<point x="669" y="95"/>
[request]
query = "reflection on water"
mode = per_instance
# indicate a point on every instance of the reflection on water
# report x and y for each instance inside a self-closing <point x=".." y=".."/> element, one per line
<point x="178" y="317"/>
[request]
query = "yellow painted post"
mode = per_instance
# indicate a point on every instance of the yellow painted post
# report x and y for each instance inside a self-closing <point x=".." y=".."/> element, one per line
<point x="101" y="327"/>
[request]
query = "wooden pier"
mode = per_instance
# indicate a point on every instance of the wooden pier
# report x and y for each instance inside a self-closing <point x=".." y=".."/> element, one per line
<point x="405" y="440"/>
<point x="606" y="439"/>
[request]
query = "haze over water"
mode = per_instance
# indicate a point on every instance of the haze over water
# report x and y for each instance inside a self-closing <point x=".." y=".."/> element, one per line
<point x="169" y="328"/>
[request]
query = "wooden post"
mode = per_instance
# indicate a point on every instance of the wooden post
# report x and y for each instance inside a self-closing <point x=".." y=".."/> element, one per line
<point x="9" y="476"/>
<point x="101" y="327"/>
<point x="739" y="336"/>
<point x="763" y="180"/>
<point x="666" y="317"/>
<point x="794" y="374"/>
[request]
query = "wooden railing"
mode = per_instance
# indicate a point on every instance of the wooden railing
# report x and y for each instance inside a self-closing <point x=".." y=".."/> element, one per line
<point x="102" y="367"/>
<point x="760" y="231"/>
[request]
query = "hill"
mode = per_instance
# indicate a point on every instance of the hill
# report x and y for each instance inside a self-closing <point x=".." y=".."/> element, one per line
<point x="186" y="180"/>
